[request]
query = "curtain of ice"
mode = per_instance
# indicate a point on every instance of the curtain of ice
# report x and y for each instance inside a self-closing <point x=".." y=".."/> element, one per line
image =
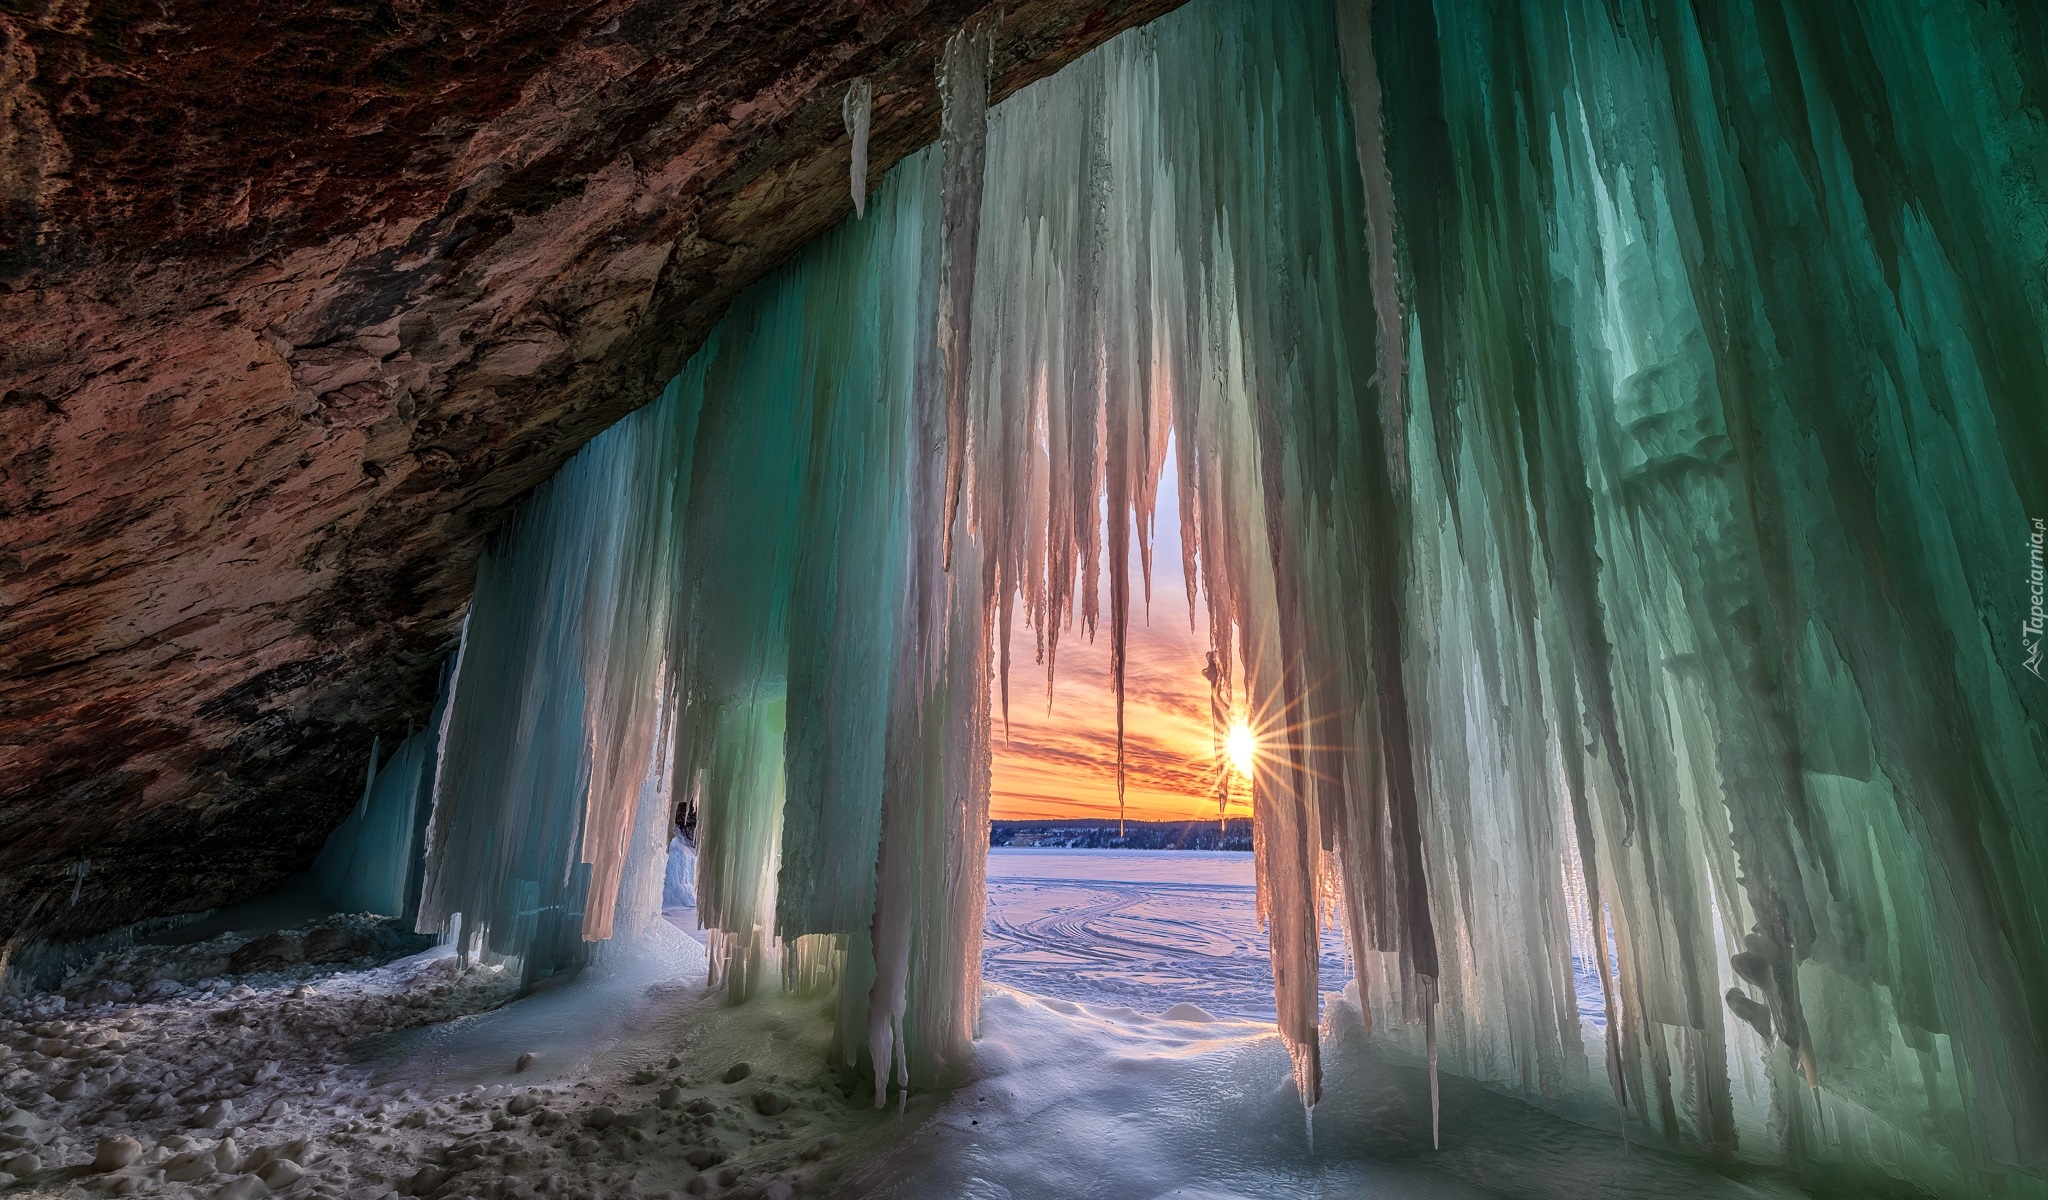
<point x="551" y="732"/>
<point x="1727" y="431"/>
<point x="1604" y="468"/>
<point x="883" y="455"/>
<point x="738" y="640"/>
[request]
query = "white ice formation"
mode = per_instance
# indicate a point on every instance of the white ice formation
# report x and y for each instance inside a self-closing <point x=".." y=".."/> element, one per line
<point x="858" y="110"/>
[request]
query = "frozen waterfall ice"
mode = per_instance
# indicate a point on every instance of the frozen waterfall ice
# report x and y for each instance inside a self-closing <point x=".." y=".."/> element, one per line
<point x="1607" y="434"/>
<point x="372" y="862"/>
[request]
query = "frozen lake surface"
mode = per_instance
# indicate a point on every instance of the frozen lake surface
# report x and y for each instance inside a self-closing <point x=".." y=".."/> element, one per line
<point x="1147" y="929"/>
<point x="1142" y="929"/>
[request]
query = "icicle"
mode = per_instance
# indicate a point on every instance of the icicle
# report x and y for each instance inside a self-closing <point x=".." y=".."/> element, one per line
<point x="1362" y="87"/>
<point x="1435" y="1100"/>
<point x="858" y="111"/>
<point x="963" y="144"/>
<point x="1617" y="1078"/>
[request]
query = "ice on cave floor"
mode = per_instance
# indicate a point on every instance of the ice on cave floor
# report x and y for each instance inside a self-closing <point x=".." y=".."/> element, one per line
<point x="407" y="1075"/>
<point x="417" y="1072"/>
<point x="1070" y="1100"/>
<point x="562" y="1022"/>
<point x="622" y="1080"/>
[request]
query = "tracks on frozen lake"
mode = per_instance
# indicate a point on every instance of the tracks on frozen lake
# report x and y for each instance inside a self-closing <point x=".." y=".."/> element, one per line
<point x="1133" y="928"/>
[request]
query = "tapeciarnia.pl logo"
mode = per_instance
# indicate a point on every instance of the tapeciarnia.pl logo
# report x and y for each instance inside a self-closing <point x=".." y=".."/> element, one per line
<point x="2037" y="585"/>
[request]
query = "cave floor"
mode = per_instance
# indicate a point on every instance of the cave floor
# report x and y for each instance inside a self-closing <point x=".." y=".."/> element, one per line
<point x="419" y="1076"/>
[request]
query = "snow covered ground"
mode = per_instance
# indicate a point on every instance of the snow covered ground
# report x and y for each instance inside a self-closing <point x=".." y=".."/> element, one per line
<point x="417" y="1076"/>
<point x="1087" y="1086"/>
<point x="1072" y="1101"/>
<point x="1120" y="1073"/>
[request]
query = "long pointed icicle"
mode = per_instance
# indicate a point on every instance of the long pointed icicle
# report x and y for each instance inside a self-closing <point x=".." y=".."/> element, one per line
<point x="963" y="143"/>
<point x="858" y="111"/>
<point x="1436" y="1140"/>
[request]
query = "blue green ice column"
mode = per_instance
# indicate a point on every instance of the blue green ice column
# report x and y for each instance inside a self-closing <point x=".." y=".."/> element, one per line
<point x="1731" y="427"/>
<point x="372" y="862"/>
<point x="795" y="542"/>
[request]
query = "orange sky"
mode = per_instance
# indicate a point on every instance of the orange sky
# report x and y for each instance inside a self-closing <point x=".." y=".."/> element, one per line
<point x="1064" y="764"/>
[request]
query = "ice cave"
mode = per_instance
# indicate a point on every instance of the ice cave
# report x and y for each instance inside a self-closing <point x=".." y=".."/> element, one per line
<point x="528" y="533"/>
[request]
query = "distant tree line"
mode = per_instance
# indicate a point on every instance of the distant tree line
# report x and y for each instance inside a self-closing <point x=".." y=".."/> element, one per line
<point x="1097" y="834"/>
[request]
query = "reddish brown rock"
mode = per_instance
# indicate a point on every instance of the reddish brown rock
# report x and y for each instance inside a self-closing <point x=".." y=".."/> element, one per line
<point x="271" y="952"/>
<point x="296" y="301"/>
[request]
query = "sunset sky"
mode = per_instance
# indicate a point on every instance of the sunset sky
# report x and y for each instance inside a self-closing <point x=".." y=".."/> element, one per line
<point x="1064" y="764"/>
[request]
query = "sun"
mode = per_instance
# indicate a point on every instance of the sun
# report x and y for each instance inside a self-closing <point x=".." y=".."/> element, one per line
<point x="1242" y="747"/>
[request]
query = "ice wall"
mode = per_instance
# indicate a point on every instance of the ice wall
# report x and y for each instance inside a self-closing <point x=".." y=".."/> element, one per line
<point x="1727" y="444"/>
<point x="564" y="683"/>
<point x="1607" y="437"/>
